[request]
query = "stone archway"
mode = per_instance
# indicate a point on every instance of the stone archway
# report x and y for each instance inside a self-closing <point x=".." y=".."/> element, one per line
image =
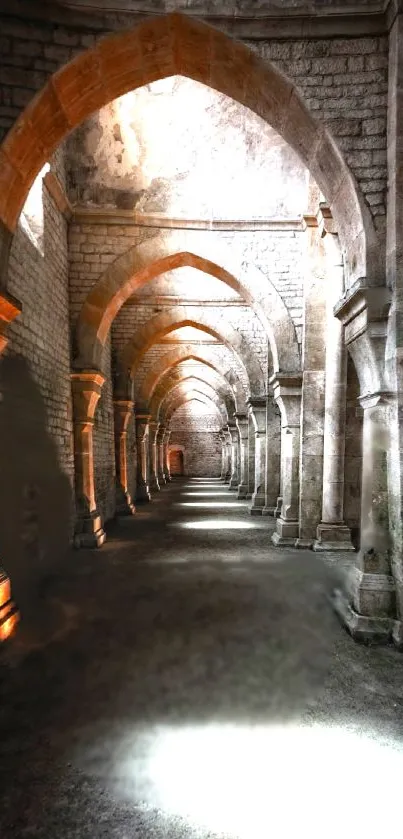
<point x="139" y="266"/>
<point x="179" y="316"/>
<point x="175" y="357"/>
<point x="177" y="45"/>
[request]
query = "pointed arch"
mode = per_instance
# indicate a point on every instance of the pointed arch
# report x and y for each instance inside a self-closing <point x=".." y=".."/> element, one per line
<point x="168" y="251"/>
<point x="170" y="45"/>
<point x="176" y="356"/>
<point x="173" y="385"/>
<point x="175" y="318"/>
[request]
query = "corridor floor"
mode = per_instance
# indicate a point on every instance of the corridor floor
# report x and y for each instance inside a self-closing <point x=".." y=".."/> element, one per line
<point x="201" y="687"/>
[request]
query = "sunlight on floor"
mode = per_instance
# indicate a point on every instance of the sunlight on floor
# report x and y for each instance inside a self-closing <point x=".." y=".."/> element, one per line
<point x="211" y="504"/>
<point x="255" y="782"/>
<point x="215" y="524"/>
<point x="210" y="494"/>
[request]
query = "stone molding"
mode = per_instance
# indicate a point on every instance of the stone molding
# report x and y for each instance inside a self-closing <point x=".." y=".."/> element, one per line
<point x="56" y="190"/>
<point x="364" y="308"/>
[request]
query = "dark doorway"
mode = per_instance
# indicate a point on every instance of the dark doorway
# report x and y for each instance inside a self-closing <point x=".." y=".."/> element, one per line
<point x="176" y="462"/>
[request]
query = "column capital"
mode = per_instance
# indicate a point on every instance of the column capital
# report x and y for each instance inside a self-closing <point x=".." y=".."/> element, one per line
<point x="86" y="388"/>
<point x="123" y="409"/>
<point x="287" y="388"/>
<point x="362" y="305"/>
<point x="325" y="220"/>
<point x="378" y="399"/>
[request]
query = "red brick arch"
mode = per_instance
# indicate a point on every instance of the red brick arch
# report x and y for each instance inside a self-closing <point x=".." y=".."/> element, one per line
<point x="153" y="330"/>
<point x="171" y="45"/>
<point x="143" y="263"/>
<point x="175" y="357"/>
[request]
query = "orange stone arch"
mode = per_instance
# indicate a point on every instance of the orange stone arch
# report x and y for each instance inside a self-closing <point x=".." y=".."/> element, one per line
<point x="170" y="45"/>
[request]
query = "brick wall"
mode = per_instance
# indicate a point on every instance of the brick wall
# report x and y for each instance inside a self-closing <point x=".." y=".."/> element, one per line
<point x="344" y="81"/>
<point x="197" y="432"/>
<point x="36" y="505"/>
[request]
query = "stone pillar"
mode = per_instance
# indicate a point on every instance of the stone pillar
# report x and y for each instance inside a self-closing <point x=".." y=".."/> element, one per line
<point x="234" y="480"/>
<point x="86" y="390"/>
<point x="251" y="458"/>
<point x="228" y="446"/>
<point x="142" y="485"/>
<point x="123" y="411"/>
<point x="223" y="456"/>
<point x="287" y="393"/>
<point x="152" y="443"/>
<point x="10" y="308"/>
<point x="273" y="446"/>
<point x="332" y="533"/>
<point x="243" y="426"/>
<point x="368" y="605"/>
<point x="160" y="455"/>
<point x="314" y="336"/>
<point x="257" y="412"/>
<point x="165" y="449"/>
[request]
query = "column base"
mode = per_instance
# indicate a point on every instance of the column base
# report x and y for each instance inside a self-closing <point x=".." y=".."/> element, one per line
<point x="89" y="532"/>
<point x="154" y="485"/>
<point x="258" y="501"/>
<point x="286" y="532"/>
<point x="233" y="484"/>
<point x="333" y="537"/>
<point x="143" y="494"/>
<point x="277" y="509"/>
<point x="227" y="479"/>
<point x="242" y="491"/>
<point x="9" y="614"/>
<point x="124" y="503"/>
<point x="268" y="511"/>
<point x="304" y="544"/>
<point x="167" y="477"/>
<point x="161" y="479"/>
<point x="397" y="634"/>
<point x="365" y="629"/>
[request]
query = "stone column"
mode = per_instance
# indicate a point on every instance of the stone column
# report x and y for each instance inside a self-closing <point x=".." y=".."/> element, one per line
<point x="234" y="480"/>
<point x="152" y="443"/>
<point x="257" y="412"/>
<point x="165" y="448"/>
<point x="160" y="455"/>
<point x="243" y="426"/>
<point x="313" y="352"/>
<point x="10" y="308"/>
<point x="251" y="458"/>
<point x="223" y="456"/>
<point x="228" y="446"/>
<point x="332" y="533"/>
<point x="287" y="393"/>
<point x="123" y="411"/>
<point x="86" y="391"/>
<point x="273" y="446"/>
<point x="142" y="485"/>
<point x="368" y="605"/>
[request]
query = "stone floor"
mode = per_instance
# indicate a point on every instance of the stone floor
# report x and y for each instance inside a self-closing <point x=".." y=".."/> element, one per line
<point x="199" y="686"/>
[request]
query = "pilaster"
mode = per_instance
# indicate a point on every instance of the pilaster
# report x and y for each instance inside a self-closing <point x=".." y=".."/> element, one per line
<point x="123" y="411"/>
<point x="86" y="388"/>
<point x="142" y="486"/>
<point x="257" y="413"/>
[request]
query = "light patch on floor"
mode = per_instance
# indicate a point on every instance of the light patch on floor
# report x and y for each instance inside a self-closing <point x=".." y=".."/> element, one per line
<point x="259" y="781"/>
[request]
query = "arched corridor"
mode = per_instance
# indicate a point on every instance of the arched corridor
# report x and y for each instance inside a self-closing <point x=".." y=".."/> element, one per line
<point x="201" y="457"/>
<point x="181" y="648"/>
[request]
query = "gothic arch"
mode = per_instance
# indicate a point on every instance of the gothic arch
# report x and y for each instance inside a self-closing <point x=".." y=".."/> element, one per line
<point x="177" y="356"/>
<point x="171" y="45"/>
<point x="196" y="383"/>
<point x="195" y="396"/>
<point x="164" y="252"/>
<point x="175" y="318"/>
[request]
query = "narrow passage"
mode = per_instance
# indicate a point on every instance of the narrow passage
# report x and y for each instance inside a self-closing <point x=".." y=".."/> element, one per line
<point x="200" y="687"/>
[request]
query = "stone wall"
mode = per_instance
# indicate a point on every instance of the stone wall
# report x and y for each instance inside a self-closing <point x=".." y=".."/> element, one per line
<point x="198" y="435"/>
<point x="37" y="486"/>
